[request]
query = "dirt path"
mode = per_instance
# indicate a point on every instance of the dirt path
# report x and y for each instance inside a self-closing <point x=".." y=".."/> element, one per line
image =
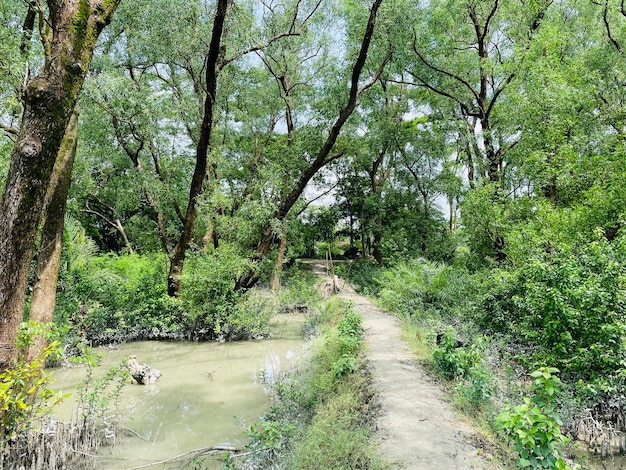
<point x="417" y="429"/>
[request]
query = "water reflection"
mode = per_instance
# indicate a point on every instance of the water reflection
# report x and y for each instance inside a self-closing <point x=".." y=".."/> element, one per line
<point x="208" y="395"/>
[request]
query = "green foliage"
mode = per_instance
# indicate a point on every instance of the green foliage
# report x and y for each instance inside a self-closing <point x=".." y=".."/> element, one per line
<point x="112" y="298"/>
<point x="299" y="290"/>
<point x="318" y="421"/>
<point x="466" y="365"/>
<point x="335" y="361"/>
<point x="483" y="221"/>
<point x="268" y="435"/>
<point x="97" y="396"/>
<point x="424" y="289"/>
<point x="362" y="274"/>
<point x="534" y="426"/>
<point x="25" y="395"/>
<point x="334" y="439"/>
<point x="570" y="305"/>
<point x="349" y="343"/>
<point x="216" y="309"/>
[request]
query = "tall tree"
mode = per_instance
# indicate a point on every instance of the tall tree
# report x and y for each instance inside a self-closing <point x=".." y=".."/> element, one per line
<point x="325" y="153"/>
<point x="68" y="32"/>
<point x="214" y="62"/>
<point x="473" y="67"/>
<point x="43" y="299"/>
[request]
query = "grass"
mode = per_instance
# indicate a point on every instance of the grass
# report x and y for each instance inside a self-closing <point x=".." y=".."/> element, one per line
<point x="324" y="406"/>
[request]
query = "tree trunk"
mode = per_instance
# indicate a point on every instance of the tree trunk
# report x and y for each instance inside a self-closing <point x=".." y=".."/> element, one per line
<point x="49" y="258"/>
<point x="214" y="58"/>
<point x="278" y="265"/>
<point x="424" y="234"/>
<point x="70" y="34"/>
<point x="376" y="243"/>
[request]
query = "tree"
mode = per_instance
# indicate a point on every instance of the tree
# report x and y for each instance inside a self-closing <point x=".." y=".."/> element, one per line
<point x="68" y="34"/>
<point x="470" y="57"/>
<point x="43" y="298"/>
<point x="325" y="154"/>
<point x="214" y="62"/>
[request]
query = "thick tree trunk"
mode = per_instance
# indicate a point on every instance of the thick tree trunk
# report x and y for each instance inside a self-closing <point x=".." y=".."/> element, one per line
<point x="70" y="35"/>
<point x="214" y="58"/>
<point x="49" y="258"/>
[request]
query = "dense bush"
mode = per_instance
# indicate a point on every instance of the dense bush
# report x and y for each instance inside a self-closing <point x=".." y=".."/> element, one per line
<point x="109" y="298"/>
<point x="216" y="309"/>
<point x="361" y="273"/>
<point x="568" y="304"/>
<point x="113" y="297"/>
<point x="466" y="365"/>
<point x="424" y="289"/>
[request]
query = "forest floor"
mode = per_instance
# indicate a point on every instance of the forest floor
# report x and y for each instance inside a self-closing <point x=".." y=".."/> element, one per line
<point x="417" y="427"/>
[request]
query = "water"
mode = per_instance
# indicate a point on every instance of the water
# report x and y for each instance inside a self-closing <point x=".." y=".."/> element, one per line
<point x="208" y="395"/>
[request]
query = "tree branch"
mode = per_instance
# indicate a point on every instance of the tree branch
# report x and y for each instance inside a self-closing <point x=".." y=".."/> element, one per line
<point x="607" y="26"/>
<point x="464" y="108"/>
<point x="260" y="47"/>
<point x="444" y="72"/>
<point x="43" y="31"/>
<point x="11" y="131"/>
<point x="379" y="72"/>
<point x="316" y="198"/>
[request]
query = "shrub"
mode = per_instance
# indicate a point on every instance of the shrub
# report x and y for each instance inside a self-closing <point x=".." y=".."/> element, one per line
<point x="467" y="366"/>
<point x="299" y="290"/>
<point x="362" y="274"/>
<point x="113" y="298"/>
<point x="534" y="426"/>
<point x="424" y="289"/>
<point x="216" y="309"/>
<point x="25" y="395"/>
<point x="572" y="307"/>
<point x="318" y="421"/>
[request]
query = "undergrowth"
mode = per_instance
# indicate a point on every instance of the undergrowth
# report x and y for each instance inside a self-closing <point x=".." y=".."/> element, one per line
<point x="461" y="323"/>
<point x="324" y="406"/>
<point x="31" y="436"/>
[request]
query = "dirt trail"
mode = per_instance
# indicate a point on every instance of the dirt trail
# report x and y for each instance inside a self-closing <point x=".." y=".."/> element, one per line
<point x="417" y="428"/>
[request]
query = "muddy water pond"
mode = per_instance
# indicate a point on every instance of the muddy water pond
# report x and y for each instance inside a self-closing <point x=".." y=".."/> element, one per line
<point x="208" y="395"/>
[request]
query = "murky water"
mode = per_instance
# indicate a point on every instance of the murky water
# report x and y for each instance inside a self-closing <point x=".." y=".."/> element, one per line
<point x="208" y="395"/>
<point x="612" y="463"/>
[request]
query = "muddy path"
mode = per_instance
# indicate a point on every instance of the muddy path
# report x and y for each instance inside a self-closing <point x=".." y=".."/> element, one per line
<point x="417" y="429"/>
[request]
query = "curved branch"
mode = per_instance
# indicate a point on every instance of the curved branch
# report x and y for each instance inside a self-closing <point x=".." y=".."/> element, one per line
<point x="444" y="72"/>
<point x="490" y="17"/>
<point x="260" y="47"/>
<point x="607" y="26"/>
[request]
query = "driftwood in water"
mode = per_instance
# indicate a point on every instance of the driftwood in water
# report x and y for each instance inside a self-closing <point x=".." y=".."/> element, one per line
<point x="184" y="456"/>
<point x="142" y="373"/>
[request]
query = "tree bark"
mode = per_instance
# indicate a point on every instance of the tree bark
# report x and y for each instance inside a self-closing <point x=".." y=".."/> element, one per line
<point x="49" y="258"/>
<point x="250" y="277"/>
<point x="69" y="37"/>
<point x="278" y="265"/>
<point x="213" y="61"/>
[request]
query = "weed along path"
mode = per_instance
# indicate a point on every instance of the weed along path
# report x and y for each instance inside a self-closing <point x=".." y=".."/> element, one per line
<point x="417" y="428"/>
